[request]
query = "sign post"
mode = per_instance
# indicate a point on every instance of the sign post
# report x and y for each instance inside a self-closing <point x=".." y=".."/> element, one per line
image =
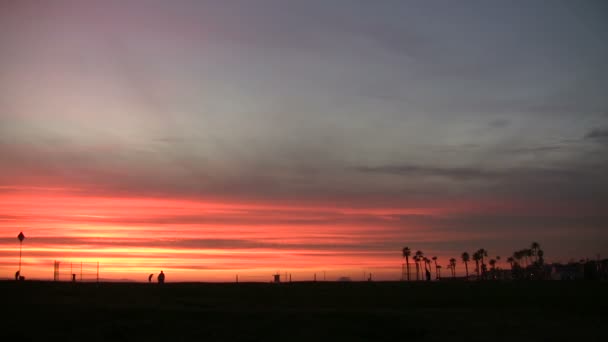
<point x="20" y="237"/>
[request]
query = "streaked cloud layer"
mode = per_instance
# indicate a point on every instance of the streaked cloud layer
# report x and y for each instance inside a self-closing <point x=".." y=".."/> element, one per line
<point x="304" y="134"/>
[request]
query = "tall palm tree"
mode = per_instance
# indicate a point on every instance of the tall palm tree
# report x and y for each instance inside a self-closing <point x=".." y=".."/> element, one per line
<point x="406" y="254"/>
<point x="528" y="254"/>
<point x="427" y="262"/>
<point x="535" y="246"/>
<point x="453" y="266"/>
<point x="510" y="260"/>
<point x="420" y="255"/>
<point x="466" y="258"/>
<point x="492" y="263"/>
<point x="482" y="253"/>
<point x="518" y="255"/>
<point x="436" y="273"/>
<point x="476" y="258"/>
<point x="523" y="255"/>
<point x="541" y="256"/>
<point x="416" y="260"/>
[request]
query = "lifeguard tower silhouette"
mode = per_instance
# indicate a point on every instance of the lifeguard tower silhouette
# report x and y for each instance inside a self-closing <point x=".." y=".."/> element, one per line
<point x="276" y="277"/>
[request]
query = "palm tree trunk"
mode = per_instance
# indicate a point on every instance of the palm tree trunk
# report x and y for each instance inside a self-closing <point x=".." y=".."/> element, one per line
<point x="466" y="268"/>
<point x="407" y="264"/>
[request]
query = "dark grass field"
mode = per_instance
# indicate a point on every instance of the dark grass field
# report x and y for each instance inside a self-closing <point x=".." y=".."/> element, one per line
<point x="375" y="311"/>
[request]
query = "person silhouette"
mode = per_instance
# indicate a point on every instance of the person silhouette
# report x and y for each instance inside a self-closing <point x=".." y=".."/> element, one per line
<point x="161" y="277"/>
<point x="17" y="275"/>
<point x="150" y="277"/>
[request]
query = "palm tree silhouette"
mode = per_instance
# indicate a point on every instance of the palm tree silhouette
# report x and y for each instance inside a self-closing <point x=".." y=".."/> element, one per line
<point x="406" y="254"/>
<point x="518" y="255"/>
<point x="493" y="267"/>
<point x="466" y="258"/>
<point x="523" y="255"/>
<point x="476" y="258"/>
<point x="482" y="253"/>
<point x="416" y="259"/>
<point x="535" y="246"/>
<point x="427" y="262"/>
<point x="419" y="255"/>
<point x="510" y="260"/>
<point x="436" y="273"/>
<point x="528" y="253"/>
<point x="453" y="267"/>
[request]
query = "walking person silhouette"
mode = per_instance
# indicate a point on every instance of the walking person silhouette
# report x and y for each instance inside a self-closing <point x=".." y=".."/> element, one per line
<point x="161" y="277"/>
<point x="150" y="277"/>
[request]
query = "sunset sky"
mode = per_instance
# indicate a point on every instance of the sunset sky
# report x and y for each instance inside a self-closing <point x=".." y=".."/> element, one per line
<point x="216" y="138"/>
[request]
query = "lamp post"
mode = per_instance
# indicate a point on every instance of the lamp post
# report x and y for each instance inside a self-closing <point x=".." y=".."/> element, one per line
<point x="20" y="237"/>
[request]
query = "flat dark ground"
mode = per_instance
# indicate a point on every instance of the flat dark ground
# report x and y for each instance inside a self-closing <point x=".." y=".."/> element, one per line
<point x="376" y="311"/>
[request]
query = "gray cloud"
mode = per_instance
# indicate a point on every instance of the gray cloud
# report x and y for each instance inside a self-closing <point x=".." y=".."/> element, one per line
<point x="456" y="173"/>
<point x="463" y="174"/>
<point x="500" y="123"/>
<point x="536" y="149"/>
<point x="597" y="134"/>
<point x="578" y="180"/>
